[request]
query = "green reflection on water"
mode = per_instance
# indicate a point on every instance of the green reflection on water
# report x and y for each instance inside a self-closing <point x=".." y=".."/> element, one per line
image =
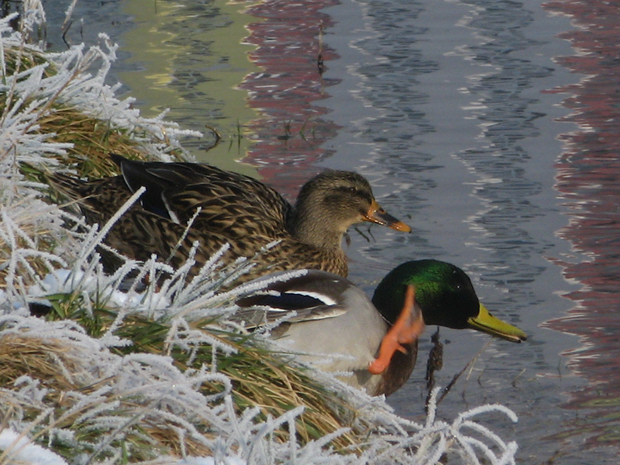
<point x="190" y="58"/>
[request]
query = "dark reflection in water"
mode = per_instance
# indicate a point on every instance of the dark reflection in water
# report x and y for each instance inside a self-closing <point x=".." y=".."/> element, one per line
<point x="588" y="179"/>
<point x="292" y="128"/>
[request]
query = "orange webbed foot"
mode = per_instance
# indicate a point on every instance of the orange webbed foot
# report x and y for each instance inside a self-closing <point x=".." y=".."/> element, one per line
<point x="406" y="330"/>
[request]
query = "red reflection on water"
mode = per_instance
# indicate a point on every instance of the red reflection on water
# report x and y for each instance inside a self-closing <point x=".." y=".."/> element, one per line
<point x="291" y="131"/>
<point x="589" y="180"/>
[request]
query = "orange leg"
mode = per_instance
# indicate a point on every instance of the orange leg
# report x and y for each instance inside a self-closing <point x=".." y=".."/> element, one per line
<point x="406" y="330"/>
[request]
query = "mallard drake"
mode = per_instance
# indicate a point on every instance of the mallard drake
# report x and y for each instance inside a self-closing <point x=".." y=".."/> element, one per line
<point x="225" y="207"/>
<point x="375" y="340"/>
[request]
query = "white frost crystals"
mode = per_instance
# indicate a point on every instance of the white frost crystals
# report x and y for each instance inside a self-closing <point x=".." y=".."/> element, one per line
<point x="92" y="400"/>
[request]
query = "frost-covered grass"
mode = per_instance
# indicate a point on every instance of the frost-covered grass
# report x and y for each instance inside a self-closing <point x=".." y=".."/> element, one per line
<point x="114" y="373"/>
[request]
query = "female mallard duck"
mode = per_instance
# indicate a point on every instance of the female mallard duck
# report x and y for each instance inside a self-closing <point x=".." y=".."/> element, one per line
<point x="225" y="207"/>
<point x="376" y="341"/>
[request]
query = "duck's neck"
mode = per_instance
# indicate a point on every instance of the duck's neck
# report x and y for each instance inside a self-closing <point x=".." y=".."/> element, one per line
<point x="310" y="226"/>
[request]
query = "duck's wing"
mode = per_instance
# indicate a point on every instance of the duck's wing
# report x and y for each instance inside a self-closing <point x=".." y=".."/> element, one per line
<point x="234" y="209"/>
<point x="315" y="295"/>
<point x="229" y="202"/>
<point x="260" y="310"/>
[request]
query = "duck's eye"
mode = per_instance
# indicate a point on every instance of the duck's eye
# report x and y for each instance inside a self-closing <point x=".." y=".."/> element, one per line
<point x="347" y="190"/>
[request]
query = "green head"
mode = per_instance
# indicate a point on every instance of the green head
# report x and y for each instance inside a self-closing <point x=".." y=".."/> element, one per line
<point x="446" y="296"/>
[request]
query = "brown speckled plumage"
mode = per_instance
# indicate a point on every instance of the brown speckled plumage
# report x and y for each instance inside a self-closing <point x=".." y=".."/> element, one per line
<point x="234" y="209"/>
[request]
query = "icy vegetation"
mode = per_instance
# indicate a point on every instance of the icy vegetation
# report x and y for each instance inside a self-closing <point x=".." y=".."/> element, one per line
<point x="114" y="373"/>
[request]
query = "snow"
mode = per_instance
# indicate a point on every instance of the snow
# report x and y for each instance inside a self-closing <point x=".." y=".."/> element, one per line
<point x="19" y="449"/>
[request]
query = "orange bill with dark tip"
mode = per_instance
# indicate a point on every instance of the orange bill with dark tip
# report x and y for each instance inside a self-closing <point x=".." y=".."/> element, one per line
<point x="378" y="215"/>
<point x="406" y="330"/>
